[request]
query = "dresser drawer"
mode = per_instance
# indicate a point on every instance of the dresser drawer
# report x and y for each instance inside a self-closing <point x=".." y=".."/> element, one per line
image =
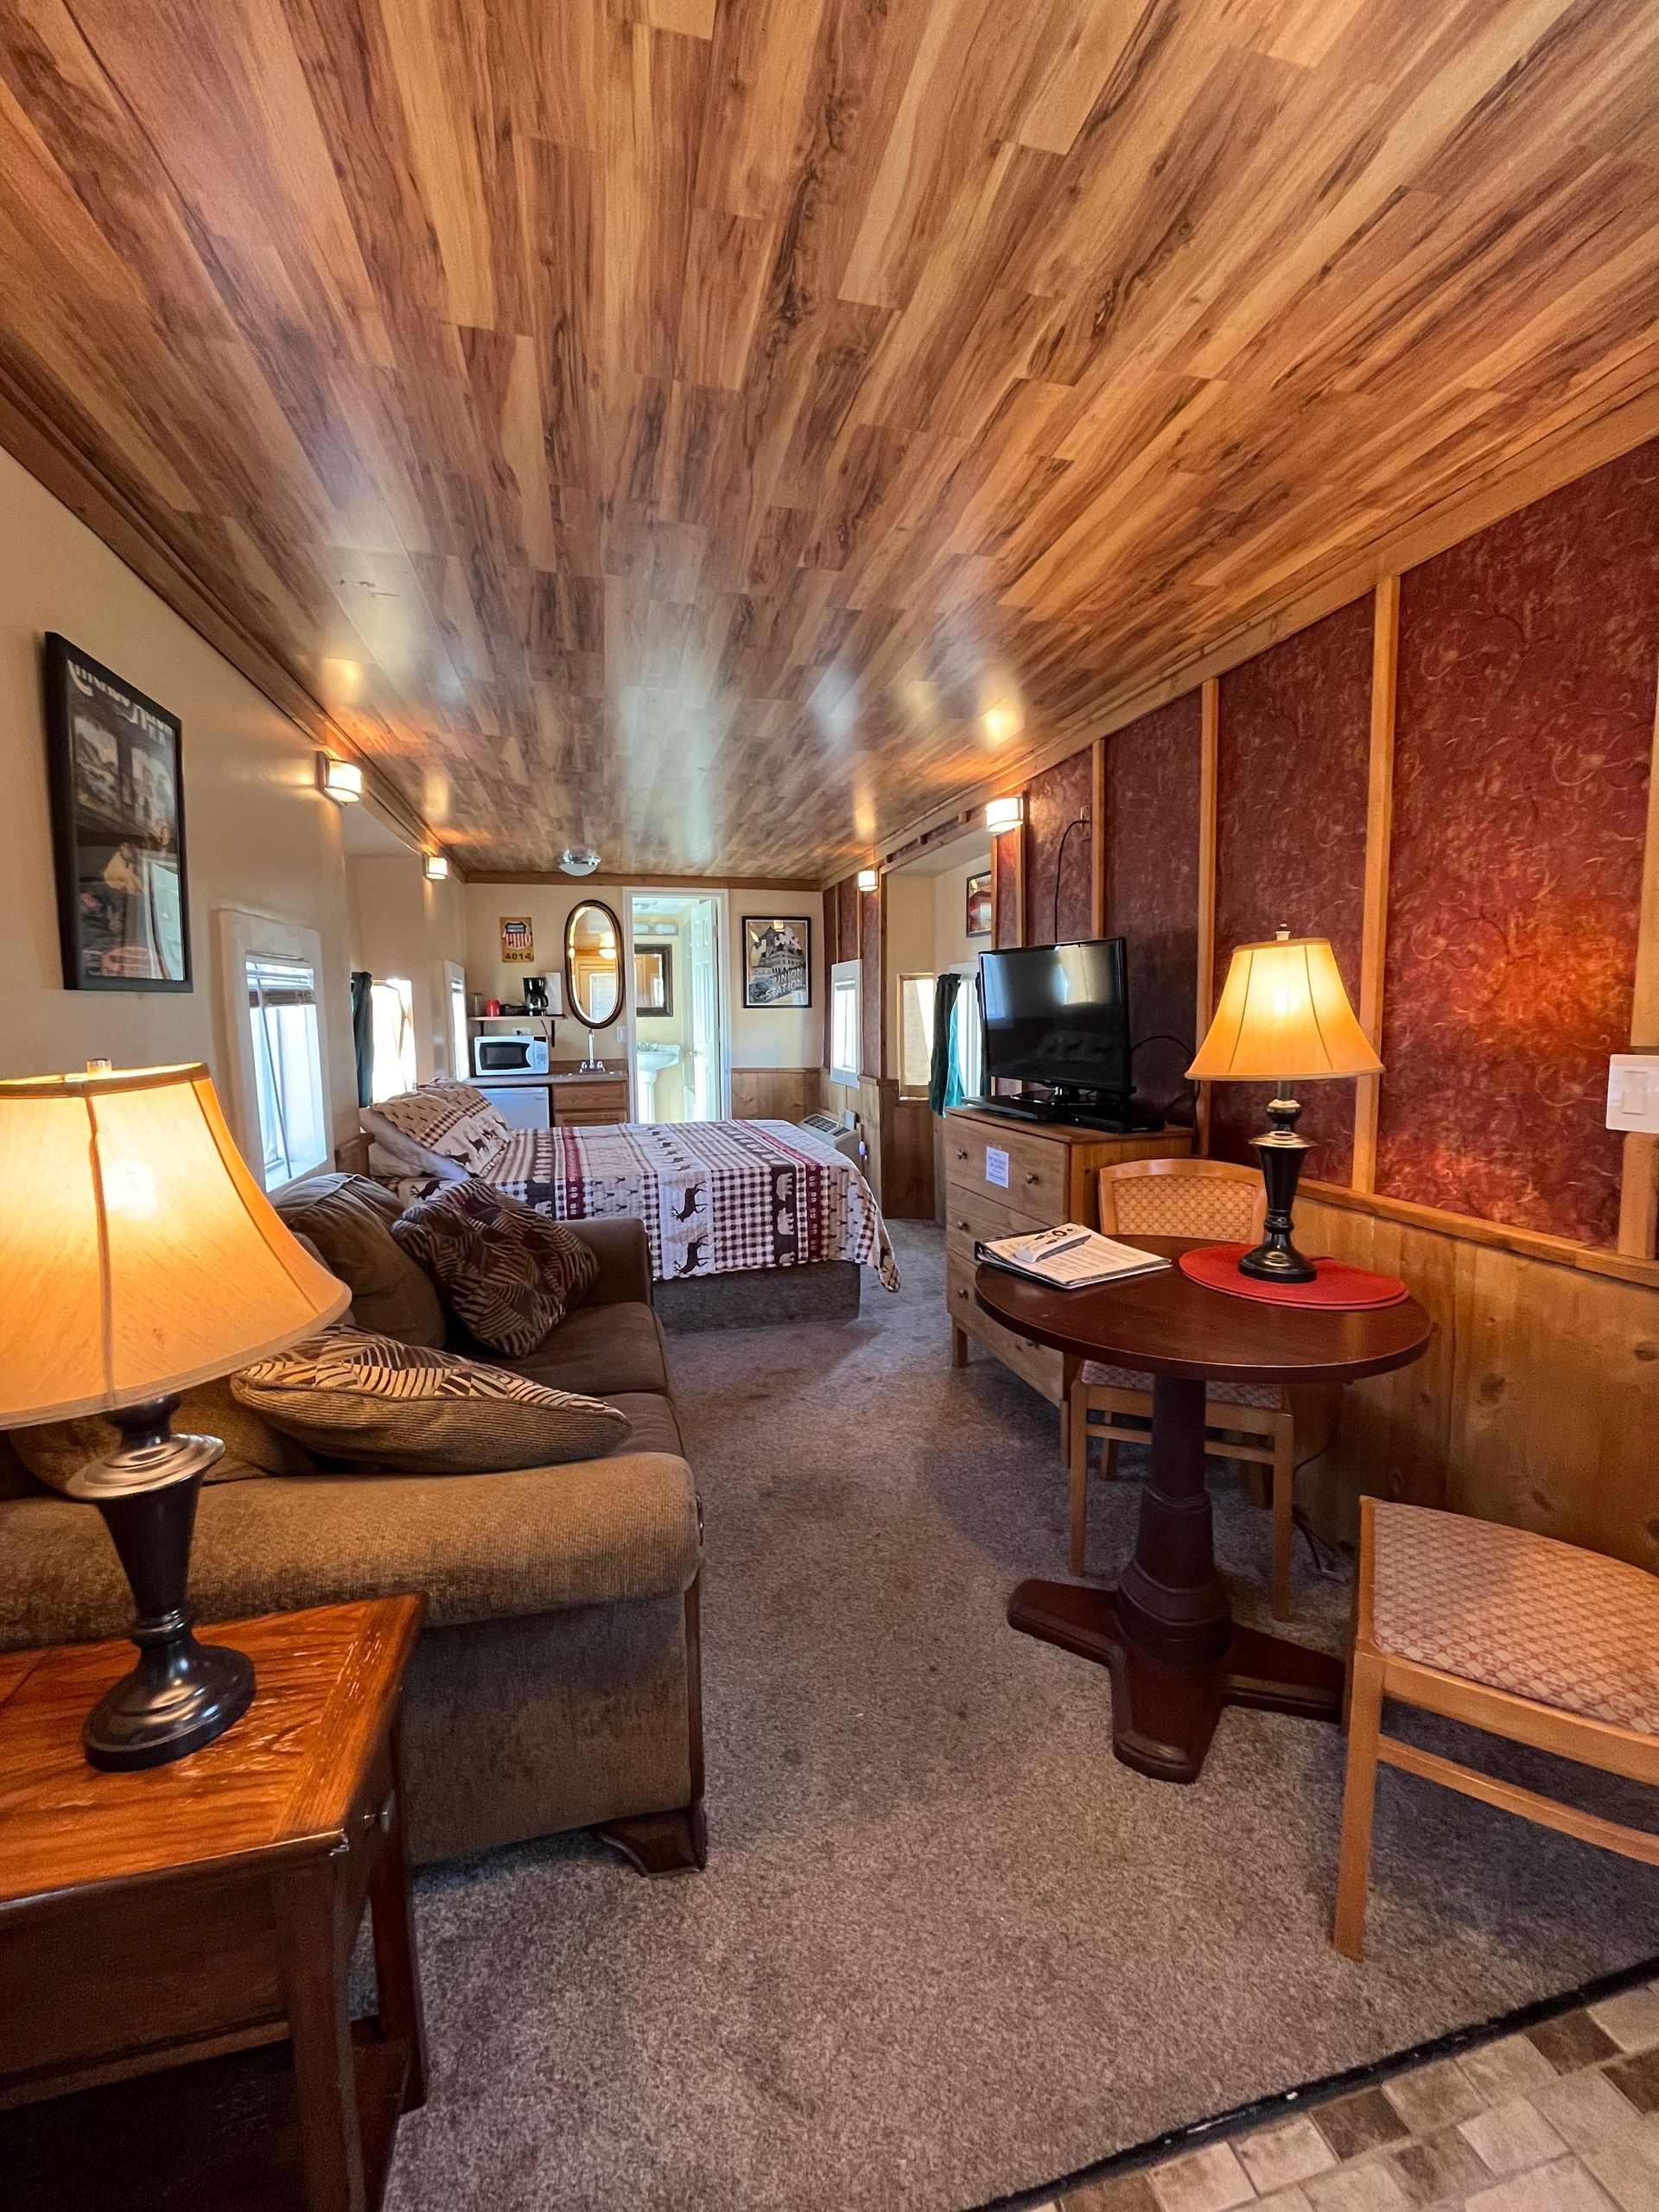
<point x="1034" y="1363"/>
<point x="589" y="1105"/>
<point x="971" y="1219"/>
<point x="1037" y="1169"/>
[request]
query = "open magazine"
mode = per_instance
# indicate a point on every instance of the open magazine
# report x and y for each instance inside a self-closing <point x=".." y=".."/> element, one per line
<point x="1069" y="1257"/>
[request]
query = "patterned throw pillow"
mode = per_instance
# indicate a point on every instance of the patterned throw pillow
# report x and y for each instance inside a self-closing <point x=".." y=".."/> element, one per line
<point x="443" y="1128"/>
<point x="507" y="1272"/>
<point x="372" y="1399"/>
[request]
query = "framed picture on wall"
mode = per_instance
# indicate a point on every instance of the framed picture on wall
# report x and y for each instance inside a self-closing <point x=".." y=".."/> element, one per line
<point x="979" y="905"/>
<point x="653" y="981"/>
<point x="118" y="829"/>
<point x="517" y="941"/>
<point x="777" y="960"/>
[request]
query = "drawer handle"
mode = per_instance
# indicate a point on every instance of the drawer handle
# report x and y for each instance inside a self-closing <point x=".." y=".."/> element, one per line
<point x="962" y="1293"/>
<point x="961" y="1225"/>
<point x="960" y="1154"/>
<point x="1033" y="1177"/>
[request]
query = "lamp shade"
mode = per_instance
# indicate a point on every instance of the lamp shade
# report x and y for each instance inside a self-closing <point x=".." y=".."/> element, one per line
<point x="1284" y="1014"/>
<point x="138" y="1255"/>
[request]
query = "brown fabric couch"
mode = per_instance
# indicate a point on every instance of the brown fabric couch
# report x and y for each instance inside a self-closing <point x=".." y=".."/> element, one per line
<point x="556" y="1685"/>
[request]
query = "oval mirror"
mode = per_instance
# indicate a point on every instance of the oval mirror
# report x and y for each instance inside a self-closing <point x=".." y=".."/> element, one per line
<point x="593" y="964"/>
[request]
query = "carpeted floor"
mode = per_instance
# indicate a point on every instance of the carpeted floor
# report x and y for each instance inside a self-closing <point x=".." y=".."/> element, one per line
<point x="946" y="1948"/>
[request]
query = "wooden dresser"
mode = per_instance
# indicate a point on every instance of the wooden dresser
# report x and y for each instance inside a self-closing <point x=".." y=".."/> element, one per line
<point x="1003" y="1176"/>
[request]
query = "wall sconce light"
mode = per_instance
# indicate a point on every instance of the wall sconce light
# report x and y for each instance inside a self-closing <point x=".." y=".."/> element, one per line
<point x="1007" y="813"/>
<point x="437" y="867"/>
<point x="342" y="781"/>
<point x="867" y="879"/>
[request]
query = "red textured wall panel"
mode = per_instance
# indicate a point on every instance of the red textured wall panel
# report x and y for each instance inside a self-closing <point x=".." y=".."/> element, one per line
<point x="831" y="953"/>
<point x="1292" y="769"/>
<point x="1056" y="883"/>
<point x="1005" y="915"/>
<point x="1524" y="732"/>
<point x="1151" y="883"/>
<point x="869" y="980"/>
<point x="847" y="919"/>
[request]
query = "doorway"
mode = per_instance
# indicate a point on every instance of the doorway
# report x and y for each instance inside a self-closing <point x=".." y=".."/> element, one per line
<point x="679" y="1059"/>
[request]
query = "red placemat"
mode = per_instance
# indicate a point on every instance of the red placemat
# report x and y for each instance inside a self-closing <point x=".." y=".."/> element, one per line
<point x="1337" y="1286"/>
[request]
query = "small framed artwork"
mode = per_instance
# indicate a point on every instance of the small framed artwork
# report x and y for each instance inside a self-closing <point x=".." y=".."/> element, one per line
<point x="777" y="960"/>
<point x="118" y="829"/>
<point x="517" y="941"/>
<point x="979" y="905"/>
<point x="653" y="981"/>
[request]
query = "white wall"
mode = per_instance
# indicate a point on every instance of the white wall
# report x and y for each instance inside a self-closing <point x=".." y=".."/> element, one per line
<point x="762" y="1037"/>
<point x="908" y="941"/>
<point x="259" y="834"/>
<point x="401" y="925"/>
<point x="951" y="943"/>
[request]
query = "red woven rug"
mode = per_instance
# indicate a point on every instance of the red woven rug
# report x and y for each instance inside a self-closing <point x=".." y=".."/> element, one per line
<point x="1336" y="1285"/>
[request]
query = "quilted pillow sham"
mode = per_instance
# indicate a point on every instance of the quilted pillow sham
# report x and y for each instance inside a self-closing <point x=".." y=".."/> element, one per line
<point x="370" y="1400"/>
<point x="442" y="1128"/>
<point x="507" y="1272"/>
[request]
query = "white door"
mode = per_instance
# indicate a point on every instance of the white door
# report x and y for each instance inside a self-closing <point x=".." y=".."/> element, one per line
<point x="702" y="1025"/>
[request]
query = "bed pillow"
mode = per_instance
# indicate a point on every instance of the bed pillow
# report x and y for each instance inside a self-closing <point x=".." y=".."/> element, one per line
<point x="376" y="1402"/>
<point x="441" y="1129"/>
<point x="58" y="1449"/>
<point x="506" y="1272"/>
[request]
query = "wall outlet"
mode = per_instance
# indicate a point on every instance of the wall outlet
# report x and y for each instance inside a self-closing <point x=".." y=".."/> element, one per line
<point x="1633" y="1092"/>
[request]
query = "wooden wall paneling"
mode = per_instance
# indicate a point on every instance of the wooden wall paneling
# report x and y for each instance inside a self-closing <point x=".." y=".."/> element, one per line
<point x="775" y="1094"/>
<point x="1379" y="824"/>
<point x="1522" y="744"/>
<point x="907" y="1171"/>
<point x="831" y="954"/>
<point x="1097" y="838"/>
<point x="873" y="995"/>
<point x="1638" y="1195"/>
<point x="1204" y="998"/>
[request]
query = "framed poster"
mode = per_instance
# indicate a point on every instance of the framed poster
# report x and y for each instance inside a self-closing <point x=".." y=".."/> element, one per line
<point x="979" y="905"/>
<point x="517" y="941"/>
<point x="118" y="829"/>
<point x="653" y="981"/>
<point x="777" y="960"/>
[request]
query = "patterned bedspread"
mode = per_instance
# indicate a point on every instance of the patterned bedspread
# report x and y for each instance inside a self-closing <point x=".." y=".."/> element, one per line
<point x="715" y="1197"/>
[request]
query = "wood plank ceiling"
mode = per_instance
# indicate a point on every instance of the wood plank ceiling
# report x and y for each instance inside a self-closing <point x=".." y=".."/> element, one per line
<point x="721" y="429"/>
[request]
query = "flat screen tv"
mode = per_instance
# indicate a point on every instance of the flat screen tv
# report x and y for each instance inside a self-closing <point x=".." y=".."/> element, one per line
<point x="1059" y="1014"/>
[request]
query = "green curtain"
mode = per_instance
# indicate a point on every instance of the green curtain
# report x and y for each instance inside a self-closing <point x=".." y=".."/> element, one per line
<point x="942" y="1076"/>
<point x="363" y="1035"/>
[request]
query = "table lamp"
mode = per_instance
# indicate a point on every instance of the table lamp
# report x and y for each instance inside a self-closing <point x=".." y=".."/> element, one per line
<point x="1283" y="1018"/>
<point x="139" y="1256"/>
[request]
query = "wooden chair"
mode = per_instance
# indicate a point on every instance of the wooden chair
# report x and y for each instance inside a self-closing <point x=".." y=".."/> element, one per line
<point x="1505" y="1631"/>
<point x="1185" y="1197"/>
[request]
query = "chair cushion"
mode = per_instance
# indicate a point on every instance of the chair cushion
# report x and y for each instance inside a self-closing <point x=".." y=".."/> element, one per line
<point x="509" y="1273"/>
<point x="441" y="1122"/>
<point x="1269" y="1396"/>
<point x="1518" y="1611"/>
<point x="349" y="1220"/>
<point x="372" y="1399"/>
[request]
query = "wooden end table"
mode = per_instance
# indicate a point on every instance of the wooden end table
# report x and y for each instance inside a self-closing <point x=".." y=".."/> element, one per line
<point x="150" y="1919"/>
<point x="1175" y="1656"/>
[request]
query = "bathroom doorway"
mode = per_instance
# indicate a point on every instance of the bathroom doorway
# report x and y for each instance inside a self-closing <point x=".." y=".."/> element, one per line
<point x="679" y="1058"/>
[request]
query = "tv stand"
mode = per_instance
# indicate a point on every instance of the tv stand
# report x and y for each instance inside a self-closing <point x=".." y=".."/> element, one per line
<point x="1117" y="1118"/>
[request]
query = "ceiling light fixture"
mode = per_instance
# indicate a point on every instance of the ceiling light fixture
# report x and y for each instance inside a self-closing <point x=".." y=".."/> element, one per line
<point x="1005" y="813"/>
<point x="342" y="781"/>
<point x="578" y="859"/>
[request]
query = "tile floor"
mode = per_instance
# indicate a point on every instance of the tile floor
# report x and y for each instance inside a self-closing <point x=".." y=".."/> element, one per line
<point x="1561" y="2118"/>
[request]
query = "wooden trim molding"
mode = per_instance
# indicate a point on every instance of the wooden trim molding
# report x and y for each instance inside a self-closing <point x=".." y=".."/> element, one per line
<point x="1379" y="829"/>
<point x="1496" y="1236"/>
<point x="797" y="886"/>
<point x="1209" y="772"/>
<point x="1097" y="838"/>
<point x="1638" y="1198"/>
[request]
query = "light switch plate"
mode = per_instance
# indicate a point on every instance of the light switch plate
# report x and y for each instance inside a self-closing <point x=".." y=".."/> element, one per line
<point x="1633" y="1092"/>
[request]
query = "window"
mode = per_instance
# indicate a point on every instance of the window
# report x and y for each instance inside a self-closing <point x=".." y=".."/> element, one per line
<point x="844" y="1021"/>
<point x="282" y="1014"/>
<point x="916" y="996"/>
<point x="460" y="1058"/>
<point x="391" y="1007"/>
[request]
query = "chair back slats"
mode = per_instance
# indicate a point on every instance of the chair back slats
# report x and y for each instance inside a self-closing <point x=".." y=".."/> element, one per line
<point x="1182" y="1198"/>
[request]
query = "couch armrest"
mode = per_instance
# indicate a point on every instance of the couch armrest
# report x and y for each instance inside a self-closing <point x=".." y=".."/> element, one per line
<point x="536" y="1539"/>
<point x="624" y="1257"/>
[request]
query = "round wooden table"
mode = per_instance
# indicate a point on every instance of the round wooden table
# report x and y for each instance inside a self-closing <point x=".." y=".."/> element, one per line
<point x="1175" y="1656"/>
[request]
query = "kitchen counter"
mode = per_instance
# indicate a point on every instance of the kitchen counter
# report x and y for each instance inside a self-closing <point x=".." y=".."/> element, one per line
<point x="541" y="1082"/>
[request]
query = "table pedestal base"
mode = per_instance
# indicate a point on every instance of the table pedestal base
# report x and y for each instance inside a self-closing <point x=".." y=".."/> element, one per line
<point x="1163" y="1716"/>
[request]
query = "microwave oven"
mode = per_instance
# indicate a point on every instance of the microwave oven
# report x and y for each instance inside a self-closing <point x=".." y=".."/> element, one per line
<point x="508" y="1056"/>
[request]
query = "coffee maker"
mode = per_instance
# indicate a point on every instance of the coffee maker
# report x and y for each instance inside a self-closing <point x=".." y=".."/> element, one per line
<point x="535" y="994"/>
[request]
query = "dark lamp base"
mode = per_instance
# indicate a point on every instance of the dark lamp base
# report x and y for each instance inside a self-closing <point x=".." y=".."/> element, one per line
<point x="1271" y="1262"/>
<point x="1281" y="1151"/>
<point x="182" y="1694"/>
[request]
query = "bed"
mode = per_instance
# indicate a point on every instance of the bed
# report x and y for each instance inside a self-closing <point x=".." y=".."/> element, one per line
<point x="746" y="1221"/>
